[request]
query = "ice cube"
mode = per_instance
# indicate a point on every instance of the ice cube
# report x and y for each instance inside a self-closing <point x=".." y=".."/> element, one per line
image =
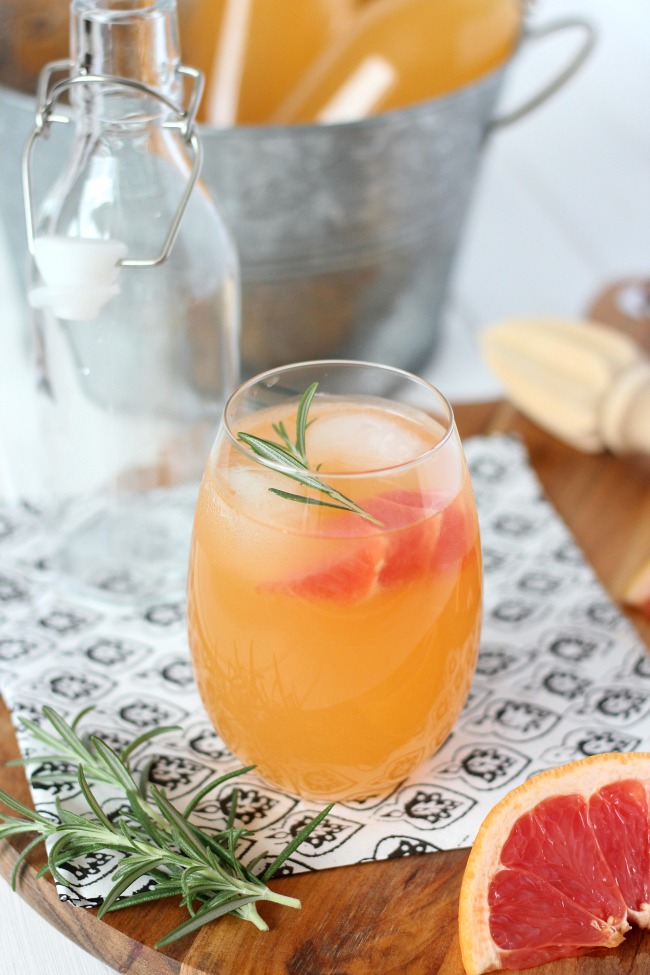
<point x="249" y="486"/>
<point x="364" y="440"/>
<point x="246" y="488"/>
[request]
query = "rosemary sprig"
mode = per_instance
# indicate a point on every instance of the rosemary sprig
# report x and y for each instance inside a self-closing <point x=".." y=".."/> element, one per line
<point x="159" y="842"/>
<point x="293" y="455"/>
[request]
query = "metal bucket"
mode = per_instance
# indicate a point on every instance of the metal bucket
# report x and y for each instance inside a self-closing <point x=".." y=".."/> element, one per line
<point x="346" y="232"/>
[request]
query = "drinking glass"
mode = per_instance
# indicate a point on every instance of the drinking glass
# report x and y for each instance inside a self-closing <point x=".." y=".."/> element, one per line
<point x="334" y="646"/>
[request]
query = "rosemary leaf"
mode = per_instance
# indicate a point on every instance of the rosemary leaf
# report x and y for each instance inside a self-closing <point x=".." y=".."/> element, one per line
<point x="21" y="859"/>
<point x="146" y="736"/>
<point x="271" y="452"/>
<point x="67" y="734"/>
<point x="128" y="877"/>
<point x="202" y="918"/>
<point x="186" y="838"/>
<point x="301" y="420"/>
<point x="202" y="793"/>
<point x="79" y="717"/>
<point x="114" y="765"/>
<point x="295" y="843"/>
<point x="163" y="889"/>
<point x="12" y="827"/>
<point x="19" y="807"/>
<point x="90" y="799"/>
<point x="281" y="431"/>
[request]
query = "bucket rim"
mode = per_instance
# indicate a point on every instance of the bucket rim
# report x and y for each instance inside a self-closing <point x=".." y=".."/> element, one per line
<point x="401" y="115"/>
<point x="405" y="113"/>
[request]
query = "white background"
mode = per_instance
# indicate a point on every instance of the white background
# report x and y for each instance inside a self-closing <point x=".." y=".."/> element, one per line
<point x="561" y="209"/>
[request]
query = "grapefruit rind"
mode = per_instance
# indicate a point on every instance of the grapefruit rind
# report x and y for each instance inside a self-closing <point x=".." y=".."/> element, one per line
<point x="584" y="777"/>
<point x="637" y="591"/>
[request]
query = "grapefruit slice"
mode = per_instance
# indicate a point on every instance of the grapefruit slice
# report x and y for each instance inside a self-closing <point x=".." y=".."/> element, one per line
<point x="420" y="531"/>
<point x="390" y="556"/>
<point x="637" y="591"/>
<point x="560" y="866"/>
<point x="346" y="580"/>
<point x="412" y="536"/>
<point x="430" y="542"/>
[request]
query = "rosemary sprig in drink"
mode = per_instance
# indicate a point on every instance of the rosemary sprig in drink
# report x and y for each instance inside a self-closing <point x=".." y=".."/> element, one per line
<point x="160" y="843"/>
<point x="293" y="455"/>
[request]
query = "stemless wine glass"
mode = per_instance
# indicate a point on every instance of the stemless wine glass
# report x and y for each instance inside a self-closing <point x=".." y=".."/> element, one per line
<point x="334" y="609"/>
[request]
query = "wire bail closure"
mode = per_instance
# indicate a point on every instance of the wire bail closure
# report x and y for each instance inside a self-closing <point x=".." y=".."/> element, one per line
<point x="48" y="95"/>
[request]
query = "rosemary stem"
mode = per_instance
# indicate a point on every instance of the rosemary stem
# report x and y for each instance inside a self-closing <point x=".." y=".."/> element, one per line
<point x="283" y="899"/>
<point x="155" y="841"/>
<point x="249" y="913"/>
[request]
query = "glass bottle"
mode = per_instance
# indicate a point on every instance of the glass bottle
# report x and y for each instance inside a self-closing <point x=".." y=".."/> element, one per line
<point x="400" y="52"/>
<point x="136" y="303"/>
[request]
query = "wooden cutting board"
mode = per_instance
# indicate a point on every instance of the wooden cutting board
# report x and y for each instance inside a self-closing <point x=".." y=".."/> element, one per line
<point x="397" y="916"/>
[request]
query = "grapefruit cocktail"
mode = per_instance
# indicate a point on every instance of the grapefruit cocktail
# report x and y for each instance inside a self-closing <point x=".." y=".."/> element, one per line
<point x="334" y="595"/>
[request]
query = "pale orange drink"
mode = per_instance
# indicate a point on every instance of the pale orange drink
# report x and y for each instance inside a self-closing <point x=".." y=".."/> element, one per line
<point x="334" y="595"/>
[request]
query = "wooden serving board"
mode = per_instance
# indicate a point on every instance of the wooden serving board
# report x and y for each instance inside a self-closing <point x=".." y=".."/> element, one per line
<point x="397" y="916"/>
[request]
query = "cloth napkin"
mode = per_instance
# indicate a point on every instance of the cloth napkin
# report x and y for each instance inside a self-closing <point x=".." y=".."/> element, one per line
<point x="561" y="674"/>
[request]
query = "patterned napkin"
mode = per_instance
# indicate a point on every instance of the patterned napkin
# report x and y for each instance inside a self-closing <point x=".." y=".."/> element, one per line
<point x="561" y="674"/>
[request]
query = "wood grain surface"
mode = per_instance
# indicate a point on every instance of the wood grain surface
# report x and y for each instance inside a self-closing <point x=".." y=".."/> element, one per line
<point x="397" y="916"/>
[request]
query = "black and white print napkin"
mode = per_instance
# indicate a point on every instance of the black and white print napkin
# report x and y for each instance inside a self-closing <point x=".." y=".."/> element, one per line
<point x="561" y="674"/>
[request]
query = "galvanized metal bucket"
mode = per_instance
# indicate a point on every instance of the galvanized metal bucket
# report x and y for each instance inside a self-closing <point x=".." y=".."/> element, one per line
<point x="346" y="232"/>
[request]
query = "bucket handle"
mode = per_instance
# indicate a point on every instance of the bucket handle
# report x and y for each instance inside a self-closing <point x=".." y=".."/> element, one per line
<point x="537" y="33"/>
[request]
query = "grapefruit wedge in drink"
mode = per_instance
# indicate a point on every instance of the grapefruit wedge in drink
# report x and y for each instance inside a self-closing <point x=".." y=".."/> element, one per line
<point x="560" y="867"/>
<point x="334" y="596"/>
